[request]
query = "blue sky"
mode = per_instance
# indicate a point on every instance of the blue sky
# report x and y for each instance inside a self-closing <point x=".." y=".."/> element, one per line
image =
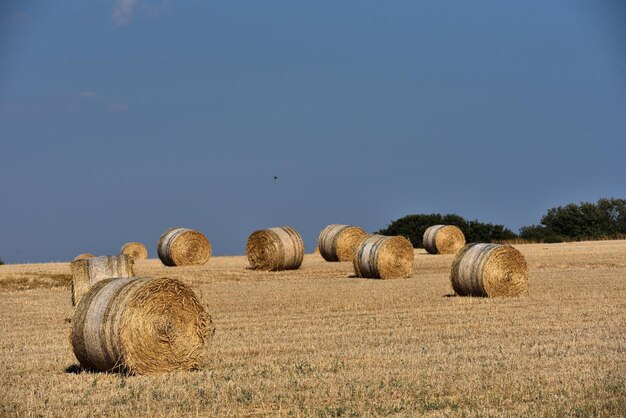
<point x="121" y="118"/>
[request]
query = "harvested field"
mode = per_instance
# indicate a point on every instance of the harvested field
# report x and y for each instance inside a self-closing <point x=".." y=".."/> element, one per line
<point x="316" y="341"/>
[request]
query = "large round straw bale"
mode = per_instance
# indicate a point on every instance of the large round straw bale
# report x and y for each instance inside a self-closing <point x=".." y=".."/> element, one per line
<point x="83" y="256"/>
<point x="183" y="247"/>
<point x="88" y="271"/>
<point x="443" y="239"/>
<point x="135" y="250"/>
<point x="278" y="248"/>
<point x="140" y="326"/>
<point x="381" y="257"/>
<point x="489" y="270"/>
<point x="338" y="242"/>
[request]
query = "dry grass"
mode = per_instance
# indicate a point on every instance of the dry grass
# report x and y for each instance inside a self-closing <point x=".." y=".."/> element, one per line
<point x="317" y="342"/>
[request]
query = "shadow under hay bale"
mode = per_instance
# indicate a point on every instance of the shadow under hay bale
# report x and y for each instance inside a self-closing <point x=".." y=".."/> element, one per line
<point x="443" y="239"/>
<point x="183" y="247"/>
<point x="339" y="242"/>
<point x="88" y="271"/>
<point x="140" y="326"/>
<point x="135" y="250"/>
<point x="489" y="270"/>
<point x="273" y="249"/>
<point x="74" y="369"/>
<point x="382" y="257"/>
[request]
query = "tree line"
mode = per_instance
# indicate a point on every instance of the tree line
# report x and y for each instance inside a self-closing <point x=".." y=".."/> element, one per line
<point x="604" y="219"/>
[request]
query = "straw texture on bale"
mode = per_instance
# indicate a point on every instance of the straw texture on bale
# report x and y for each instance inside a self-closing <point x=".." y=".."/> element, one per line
<point x="489" y="270"/>
<point x="88" y="271"/>
<point x="135" y="250"/>
<point x="338" y="242"/>
<point x="381" y="257"/>
<point x="140" y="326"/>
<point x="83" y="256"/>
<point x="183" y="247"/>
<point x="273" y="249"/>
<point x="443" y="239"/>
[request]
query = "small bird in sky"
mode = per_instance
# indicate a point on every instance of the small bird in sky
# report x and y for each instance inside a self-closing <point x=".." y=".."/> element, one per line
<point x="275" y="178"/>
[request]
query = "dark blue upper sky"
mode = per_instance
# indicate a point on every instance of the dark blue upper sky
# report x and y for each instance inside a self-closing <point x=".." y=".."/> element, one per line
<point x="121" y="118"/>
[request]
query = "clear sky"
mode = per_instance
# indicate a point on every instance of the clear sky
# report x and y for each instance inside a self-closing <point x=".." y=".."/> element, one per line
<point x="122" y="118"/>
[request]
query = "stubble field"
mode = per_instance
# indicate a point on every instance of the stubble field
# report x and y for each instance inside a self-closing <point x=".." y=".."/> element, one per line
<point x="318" y="342"/>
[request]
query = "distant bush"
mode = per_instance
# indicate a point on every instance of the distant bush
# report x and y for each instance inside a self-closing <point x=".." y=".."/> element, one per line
<point x="413" y="227"/>
<point x="539" y="233"/>
<point x="534" y="232"/>
<point x="1" y="262"/>
<point x="601" y="220"/>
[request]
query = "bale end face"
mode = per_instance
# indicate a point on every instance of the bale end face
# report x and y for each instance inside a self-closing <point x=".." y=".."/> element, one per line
<point x="506" y="273"/>
<point x="135" y="250"/>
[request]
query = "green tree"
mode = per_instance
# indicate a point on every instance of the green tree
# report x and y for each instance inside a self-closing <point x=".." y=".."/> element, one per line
<point x="534" y="232"/>
<point x="606" y="218"/>
<point x="487" y="232"/>
<point x="614" y="215"/>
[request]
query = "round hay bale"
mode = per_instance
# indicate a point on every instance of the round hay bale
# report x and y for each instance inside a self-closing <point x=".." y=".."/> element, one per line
<point x="274" y="249"/>
<point x="338" y="242"/>
<point x="83" y="256"/>
<point x="381" y="257"/>
<point x="183" y="247"/>
<point x="140" y="326"/>
<point x="88" y="271"/>
<point x="489" y="270"/>
<point x="135" y="250"/>
<point x="443" y="239"/>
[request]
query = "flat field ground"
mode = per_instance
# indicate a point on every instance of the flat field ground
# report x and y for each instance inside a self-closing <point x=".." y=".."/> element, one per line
<point x="318" y="342"/>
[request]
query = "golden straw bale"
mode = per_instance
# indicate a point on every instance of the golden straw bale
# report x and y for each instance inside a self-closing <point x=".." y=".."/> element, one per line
<point x="489" y="270"/>
<point x="183" y="247"/>
<point x="338" y="242"/>
<point x="140" y="326"/>
<point x="83" y="256"/>
<point x="135" y="250"/>
<point x="88" y="271"/>
<point x="273" y="249"/>
<point x="381" y="257"/>
<point x="443" y="239"/>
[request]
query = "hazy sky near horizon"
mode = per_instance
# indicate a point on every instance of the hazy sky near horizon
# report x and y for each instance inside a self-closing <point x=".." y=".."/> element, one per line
<point x="122" y="118"/>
